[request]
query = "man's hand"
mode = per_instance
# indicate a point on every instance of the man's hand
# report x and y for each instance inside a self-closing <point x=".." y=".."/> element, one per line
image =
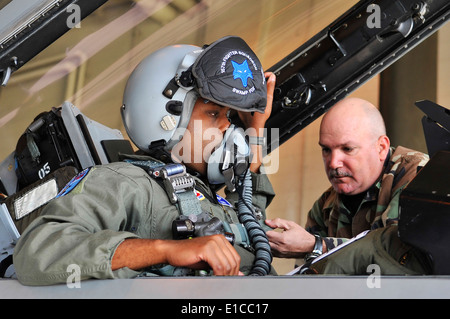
<point x="293" y="242"/>
<point x="205" y="252"/>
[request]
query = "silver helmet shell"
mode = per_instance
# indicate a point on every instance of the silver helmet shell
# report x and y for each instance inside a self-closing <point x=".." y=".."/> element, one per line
<point x="144" y="111"/>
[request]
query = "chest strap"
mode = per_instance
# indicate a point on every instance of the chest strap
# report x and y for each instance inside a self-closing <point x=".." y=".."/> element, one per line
<point x="178" y="184"/>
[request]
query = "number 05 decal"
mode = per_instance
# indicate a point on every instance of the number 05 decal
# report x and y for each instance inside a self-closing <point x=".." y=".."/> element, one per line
<point x="44" y="170"/>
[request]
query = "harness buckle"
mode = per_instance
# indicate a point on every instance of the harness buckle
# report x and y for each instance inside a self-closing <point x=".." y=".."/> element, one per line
<point x="176" y="180"/>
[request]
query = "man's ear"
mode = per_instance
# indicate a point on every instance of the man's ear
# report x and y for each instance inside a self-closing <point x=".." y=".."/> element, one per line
<point x="383" y="145"/>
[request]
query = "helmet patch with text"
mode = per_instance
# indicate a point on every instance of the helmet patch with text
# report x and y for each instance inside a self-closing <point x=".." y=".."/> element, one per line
<point x="229" y="73"/>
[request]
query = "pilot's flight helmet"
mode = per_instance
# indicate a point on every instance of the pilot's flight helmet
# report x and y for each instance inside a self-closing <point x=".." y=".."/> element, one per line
<point x="161" y="92"/>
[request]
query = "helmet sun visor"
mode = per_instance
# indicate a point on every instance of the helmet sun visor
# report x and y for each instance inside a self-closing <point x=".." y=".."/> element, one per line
<point x="229" y="73"/>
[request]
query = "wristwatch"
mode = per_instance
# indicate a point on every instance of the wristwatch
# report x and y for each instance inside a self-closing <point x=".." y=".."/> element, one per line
<point x="257" y="140"/>
<point x="317" y="250"/>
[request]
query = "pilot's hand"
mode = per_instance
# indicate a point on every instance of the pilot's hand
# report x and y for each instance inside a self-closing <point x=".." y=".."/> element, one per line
<point x="200" y="252"/>
<point x="207" y="252"/>
<point x="258" y="120"/>
<point x="255" y="122"/>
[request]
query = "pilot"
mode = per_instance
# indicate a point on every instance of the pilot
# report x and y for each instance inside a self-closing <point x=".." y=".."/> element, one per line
<point x="121" y="220"/>
<point x="366" y="176"/>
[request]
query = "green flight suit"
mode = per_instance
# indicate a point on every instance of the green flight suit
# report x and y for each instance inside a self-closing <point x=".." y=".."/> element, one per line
<point x="109" y="204"/>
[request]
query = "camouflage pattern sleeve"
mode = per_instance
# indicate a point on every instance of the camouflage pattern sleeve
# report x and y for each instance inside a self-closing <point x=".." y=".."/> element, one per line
<point x="318" y="222"/>
<point x="403" y="167"/>
<point x="332" y="242"/>
<point x="315" y="223"/>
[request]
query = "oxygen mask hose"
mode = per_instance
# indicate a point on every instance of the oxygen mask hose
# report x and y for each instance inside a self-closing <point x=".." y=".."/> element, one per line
<point x="258" y="238"/>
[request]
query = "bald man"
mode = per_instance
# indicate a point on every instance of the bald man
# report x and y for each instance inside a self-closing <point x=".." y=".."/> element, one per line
<point x="366" y="176"/>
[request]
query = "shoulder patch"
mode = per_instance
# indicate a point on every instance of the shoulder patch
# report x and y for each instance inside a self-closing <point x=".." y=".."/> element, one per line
<point x="73" y="182"/>
<point x="199" y="195"/>
<point x="223" y="201"/>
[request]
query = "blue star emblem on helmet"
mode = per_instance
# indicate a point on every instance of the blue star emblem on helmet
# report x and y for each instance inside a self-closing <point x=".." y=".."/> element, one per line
<point x="242" y="71"/>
